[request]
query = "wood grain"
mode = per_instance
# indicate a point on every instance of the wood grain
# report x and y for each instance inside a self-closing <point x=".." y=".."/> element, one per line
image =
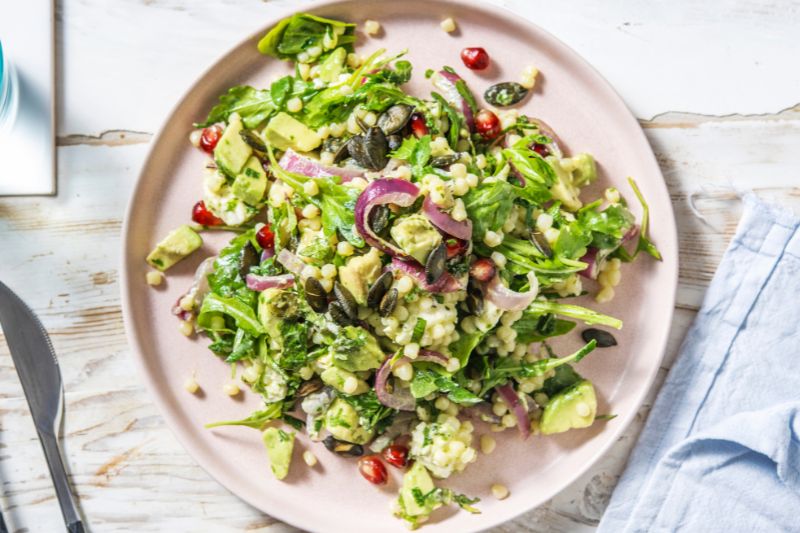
<point x="61" y="253"/>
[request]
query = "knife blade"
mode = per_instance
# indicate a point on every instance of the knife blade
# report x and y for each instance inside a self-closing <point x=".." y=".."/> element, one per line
<point x="37" y="367"/>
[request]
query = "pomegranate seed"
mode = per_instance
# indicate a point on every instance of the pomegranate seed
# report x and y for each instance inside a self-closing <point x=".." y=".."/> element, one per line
<point x="203" y="216"/>
<point x="210" y="138"/>
<point x="456" y="247"/>
<point x="418" y="125"/>
<point x="541" y="149"/>
<point x="265" y="238"/>
<point x="487" y="124"/>
<point x="373" y="470"/>
<point x="483" y="269"/>
<point x="396" y="456"/>
<point x="475" y="58"/>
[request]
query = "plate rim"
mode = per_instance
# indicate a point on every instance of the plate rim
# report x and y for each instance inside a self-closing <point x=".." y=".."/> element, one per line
<point x="127" y="288"/>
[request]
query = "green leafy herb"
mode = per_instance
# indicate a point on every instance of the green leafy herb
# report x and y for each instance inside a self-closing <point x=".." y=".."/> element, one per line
<point x="241" y="313"/>
<point x="406" y="149"/>
<point x="428" y="73"/>
<point x="605" y="417"/>
<point x="432" y="381"/>
<point x="565" y="376"/>
<point x="488" y="206"/>
<point x="255" y="420"/>
<point x="296" y="423"/>
<point x="534" y="327"/>
<point x="319" y="252"/>
<point x="455" y="117"/>
<point x="372" y="413"/>
<point x="252" y="105"/>
<point x="573" y="311"/>
<point x="419" y="330"/>
<point x="420" y="156"/>
<point x="643" y="244"/>
<point x="299" y="33"/>
<point x="243" y="347"/>
<point x="466" y="94"/>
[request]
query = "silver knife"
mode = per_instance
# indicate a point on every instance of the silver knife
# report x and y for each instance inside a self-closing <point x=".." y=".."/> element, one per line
<point x="38" y="371"/>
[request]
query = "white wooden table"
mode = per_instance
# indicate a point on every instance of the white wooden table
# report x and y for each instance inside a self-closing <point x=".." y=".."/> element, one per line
<point x="715" y="87"/>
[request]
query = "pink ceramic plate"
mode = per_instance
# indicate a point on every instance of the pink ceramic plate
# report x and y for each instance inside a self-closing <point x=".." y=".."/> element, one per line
<point x="333" y="497"/>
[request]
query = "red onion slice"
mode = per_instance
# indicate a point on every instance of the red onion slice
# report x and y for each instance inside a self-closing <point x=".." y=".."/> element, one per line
<point x="379" y="192"/>
<point x="504" y="298"/>
<point x="268" y="253"/>
<point x="446" y="283"/>
<point x="512" y="401"/>
<point x="446" y="82"/>
<point x="198" y="289"/>
<point x="262" y="283"/>
<point x="554" y="146"/>
<point x="299" y="164"/>
<point x="482" y="411"/>
<point x="446" y="223"/>
<point x="291" y="262"/>
<point x="402" y="399"/>
<point x="594" y="257"/>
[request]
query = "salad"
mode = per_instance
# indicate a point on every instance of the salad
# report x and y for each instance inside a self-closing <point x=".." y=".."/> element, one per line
<point x="399" y="262"/>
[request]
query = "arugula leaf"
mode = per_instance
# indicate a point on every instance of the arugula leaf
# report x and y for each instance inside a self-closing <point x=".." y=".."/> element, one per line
<point x="456" y="119"/>
<point x="280" y="90"/>
<point x="406" y="149"/>
<point x="225" y="280"/>
<point x="534" y="327"/>
<point x="419" y="330"/>
<point x="255" y="420"/>
<point x="401" y="74"/>
<point x="336" y="202"/>
<point x="242" y="314"/>
<point x="420" y="156"/>
<point x="296" y="423"/>
<point x="643" y="244"/>
<point x="506" y="367"/>
<point x="372" y="413"/>
<point x="565" y="377"/>
<point x="299" y="33"/>
<point x="572" y="241"/>
<point x="466" y="504"/>
<point x="466" y="343"/>
<point x="294" y="335"/>
<point x="610" y="221"/>
<point x="488" y="206"/>
<point x="466" y="94"/>
<point x="319" y="252"/>
<point x="539" y="175"/>
<point x="528" y="257"/>
<point x="430" y="379"/>
<point x="253" y="106"/>
<point x="243" y="347"/>
<point x="573" y="311"/>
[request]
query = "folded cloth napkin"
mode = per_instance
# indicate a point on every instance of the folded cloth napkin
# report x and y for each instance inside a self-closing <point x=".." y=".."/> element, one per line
<point x="721" y="449"/>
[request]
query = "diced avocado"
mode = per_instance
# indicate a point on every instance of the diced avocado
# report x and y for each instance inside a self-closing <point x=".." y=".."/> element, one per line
<point x="251" y="184"/>
<point x="284" y="132"/>
<point x="564" y="190"/>
<point x="279" y="449"/>
<point x="360" y="273"/>
<point x="561" y="412"/>
<point x="585" y="172"/>
<point x="266" y="301"/>
<point x="355" y="349"/>
<point x="179" y="243"/>
<point x="232" y="152"/>
<point x="332" y="67"/>
<point x="335" y="377"/>
<point x="416" y="236"/>
<point x="342" y="421"/>
<point x="416" y="478"/>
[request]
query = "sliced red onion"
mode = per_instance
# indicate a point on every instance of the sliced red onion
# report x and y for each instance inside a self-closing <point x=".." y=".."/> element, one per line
<point x="262" y="283"/>
<point x="595" y="257"/>
<point x="512" y="401"/>
<point x="379" y="192"/>
<point x="554" y="146"/>
<point x="198" y="290"/>
<point x="291" y="262"/>
<point x="504" y="298"/>
<point x="446" y="82"/>
<point x="299" y="164"/>
<point x="446" y="223"/>
<point x="446" y="283"/>
<point x="482" y="411"/>
<point x="518" y="175"/>
<point x="268" y="253"/>
<point x="402" y="399"/>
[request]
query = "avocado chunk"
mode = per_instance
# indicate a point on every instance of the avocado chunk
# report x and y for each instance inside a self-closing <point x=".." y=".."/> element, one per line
<point x="232" y="152"/>
<point x="342" y="421"/>
<point x="355" y="349"/>
<point x="562" y="412"/>
<point x="275" y="305"/>
<point x="565" y="190"/>
<point x="179" y="243"/>
<point x="416" y="236"/>
<point x="416" y="478"/>
<point x="279" y="449"/>
<point x="585" y="172"/>
<point x="251" y="184"/>
<point x="360" y="273"/>
<point x="335" y="377"/>
<point x="284" y="132"/>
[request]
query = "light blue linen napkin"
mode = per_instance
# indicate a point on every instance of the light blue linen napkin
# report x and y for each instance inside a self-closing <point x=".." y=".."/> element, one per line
<point x="721" y="449"/>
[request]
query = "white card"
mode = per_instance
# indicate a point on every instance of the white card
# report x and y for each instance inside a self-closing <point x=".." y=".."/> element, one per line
<point x="27" y="152"/>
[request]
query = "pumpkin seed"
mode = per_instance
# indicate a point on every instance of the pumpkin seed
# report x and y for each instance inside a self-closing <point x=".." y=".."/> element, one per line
<point x="538" y="239"/>
<point x="370" y="150"/>
<point x="394" y="142"/>
<point x="505" y="94"/>
<point x="316" y="296"/>
<point x="388" y="304"/>
<point x="434" y="266"/>
<point x="338" y="315"/>
<point x="248" y="258"/>
<point x="604" y="339"/>
<point x="475" y="301"/>
<point x="444" y="160"/>
<point x="337" y="146"/>
<point x="310" y="386"/>
<point x="378" y="289"/>
<point x="379" y="218"/>
<point x="345" y="449"/>
<point x="361" y="124"/>
<point x="346" y="300"/>
<point x="395" y="118"/>
<point x="253" y="141"/>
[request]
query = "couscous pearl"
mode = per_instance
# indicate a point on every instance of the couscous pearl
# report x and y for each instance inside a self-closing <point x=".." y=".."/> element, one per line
<point x="309" y="458"/>
<point x="312" y="189"/>
<point x="359" y="183"/>
<point x="541" y="398"/>
<point x="337" y="130"/>
<point x="370" y="119"/>
<point x="544" y="222"/>
<point x="499" y="492"/>
<point x="443" y="403"/>
<point x="492" y="239"/>
<point x="405" y="284"/>
<point x="310" y="211"/>
<point x="329" y="271"/>
<point x="552" y="235"/>
<point x="186" y="328"/>
<point x="187" y="302"/>
<point x="583" y="409"/>
<point x="195" y="137"/>
<point x="488" y="444"/>
<point x="154" y="278"/>
<point x="448" y="25"/>
<point x="305" y="70"/>
<point x="411" y="350"/>
<point x="345" y="90"/>
<point x="458" y="170"/>
<point x="345" y="248"/>
<point x="605" y="295"/>
<point x="327" y="284"/>
<point x="499" y="409"/>
<point x="294" y="105"/>
<point x="353" y="60"/>
<point x="472" y="180"/>
<point x="509" y="420"/>
<point x="231" y="389"/>
<point x="350" y="385"/>
<point x="307" y="372"/>
<point x="190" y="385"/>
<point x="371" y="27"/>
<point x="403" y="371"/>
<point x="324" y="132"/>
<point x="217" y="323"/>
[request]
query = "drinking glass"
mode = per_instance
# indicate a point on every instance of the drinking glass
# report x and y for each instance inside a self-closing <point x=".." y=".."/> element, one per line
<point x="9" y="97"/>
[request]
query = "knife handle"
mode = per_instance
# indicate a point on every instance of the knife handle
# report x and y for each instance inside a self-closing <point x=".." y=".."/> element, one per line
<point x="61" y="482"/>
